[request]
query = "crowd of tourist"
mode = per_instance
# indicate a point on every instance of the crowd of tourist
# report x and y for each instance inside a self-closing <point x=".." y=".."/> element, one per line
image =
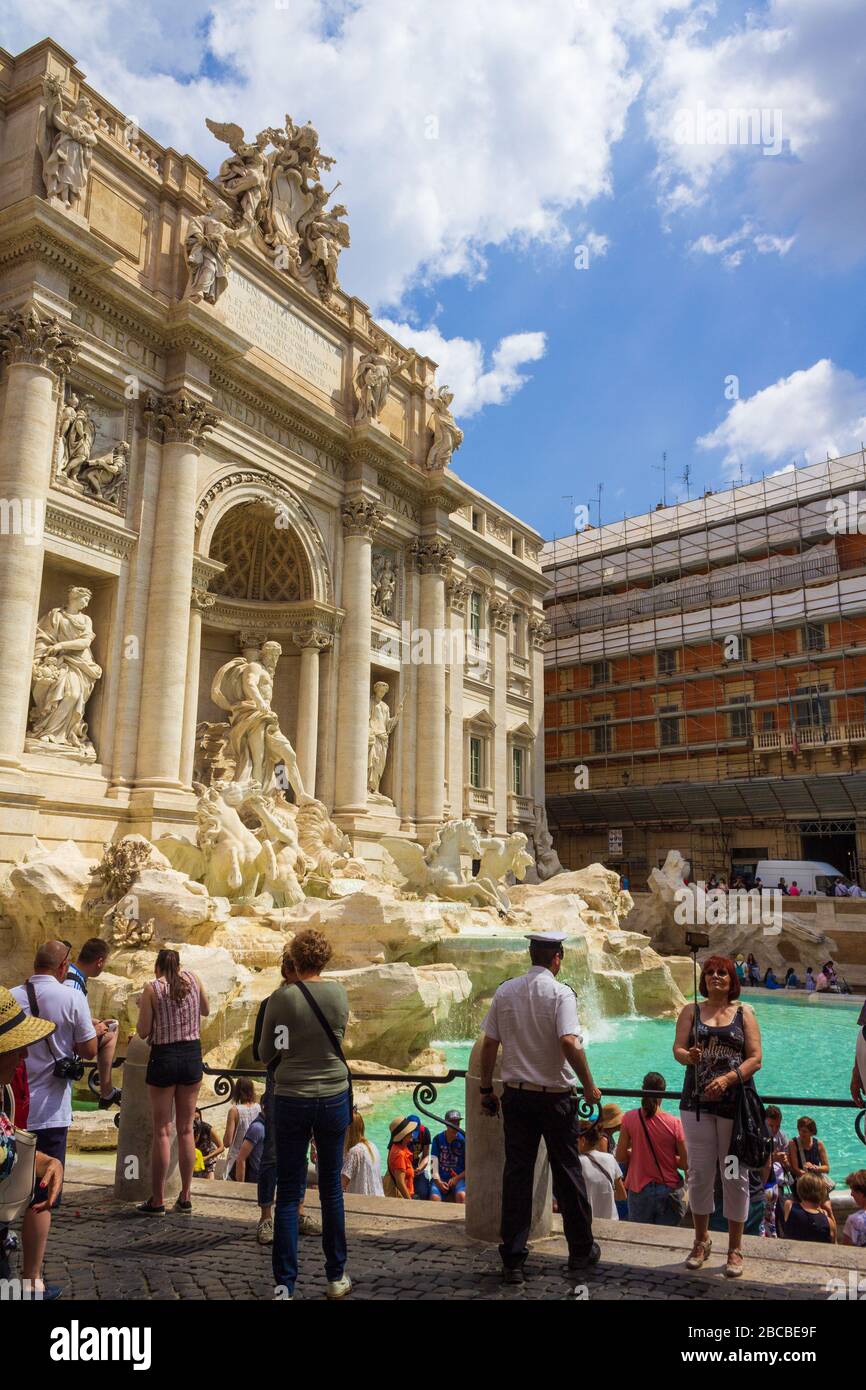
<point x="827" y="980"/>
<point x="836" y="887"/>
<point x="646" y="1165"/>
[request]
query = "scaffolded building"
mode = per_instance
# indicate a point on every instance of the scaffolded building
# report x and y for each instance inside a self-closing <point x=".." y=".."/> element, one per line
<point x="706" y="679"/>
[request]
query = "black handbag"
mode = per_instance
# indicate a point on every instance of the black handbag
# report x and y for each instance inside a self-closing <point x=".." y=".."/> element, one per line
<point x="332" y="1037"/>
<point x="751" y="1141"/>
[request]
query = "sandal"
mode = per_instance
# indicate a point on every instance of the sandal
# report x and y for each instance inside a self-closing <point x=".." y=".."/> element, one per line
<point x="734" y="1266"/>
<point x="148" y="1209"/>
<point x="700" y="1254"/>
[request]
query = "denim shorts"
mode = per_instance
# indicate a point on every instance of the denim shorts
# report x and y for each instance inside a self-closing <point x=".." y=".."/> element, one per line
<point x="175" y="1064"/>
<point x="53" y="1143"/>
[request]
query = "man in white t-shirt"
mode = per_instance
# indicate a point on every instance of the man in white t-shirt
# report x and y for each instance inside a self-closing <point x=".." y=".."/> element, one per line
<point x="46" y="996"/>
<point x="534" y="1020"/>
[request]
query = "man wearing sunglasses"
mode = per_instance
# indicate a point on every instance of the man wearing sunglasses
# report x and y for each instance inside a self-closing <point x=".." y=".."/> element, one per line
<point x="46" y="996"/>
<point x="534" y="1020"/>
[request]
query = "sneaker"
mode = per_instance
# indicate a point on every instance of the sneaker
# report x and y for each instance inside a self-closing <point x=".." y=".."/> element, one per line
<point x="579" y="1263"/>
<point x="513" y="1274"/>
<point x="308" y="1227"/>
<point x="265" y="1231"/>
<point x="183" y="1208"/>
<point x="700" y="1254"/>
<point x="145" y="1209"/>
<point x="106" y="1102"/>
<point x="338" y="1288"/>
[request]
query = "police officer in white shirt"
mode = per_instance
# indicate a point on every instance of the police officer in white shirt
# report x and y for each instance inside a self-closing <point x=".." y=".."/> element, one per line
<point x="534" y="1020"/>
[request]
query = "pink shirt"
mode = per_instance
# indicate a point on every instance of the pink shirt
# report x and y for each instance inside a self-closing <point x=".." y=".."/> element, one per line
<point x="175" y="1022"/>
<point x="664" y="1130"/>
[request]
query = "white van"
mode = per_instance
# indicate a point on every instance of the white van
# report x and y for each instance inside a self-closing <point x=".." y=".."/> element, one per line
<point x="810" y="875"/>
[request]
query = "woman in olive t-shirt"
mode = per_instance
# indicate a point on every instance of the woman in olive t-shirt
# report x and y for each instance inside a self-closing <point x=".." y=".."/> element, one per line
<point x="311" y="1101"/>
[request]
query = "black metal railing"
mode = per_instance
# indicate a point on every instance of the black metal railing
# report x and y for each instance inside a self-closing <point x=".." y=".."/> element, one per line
<point x="425" y="1092"/>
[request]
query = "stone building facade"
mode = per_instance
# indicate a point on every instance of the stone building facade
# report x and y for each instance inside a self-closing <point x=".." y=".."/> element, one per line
<point x="205" y="445"/>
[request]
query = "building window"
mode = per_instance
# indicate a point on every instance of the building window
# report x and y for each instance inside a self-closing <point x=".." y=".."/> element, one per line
<point x="768" y="722"/>
<point x="518" y="628"/>
<point x="475" y="614"/>
<point x="670" y="723"/>
<point x="666" y="662"/>
<point x="814" y="637"/>
<point x="602" y="734"/>
<point x="476" y="520"/>
<point x="517" y="771"/>
<point x="475" y="762"/>
<point x="600" y="673"/>
<point x="812" y="707"/>
<point x="516" y="548"/>
<point x="740" y="720"/>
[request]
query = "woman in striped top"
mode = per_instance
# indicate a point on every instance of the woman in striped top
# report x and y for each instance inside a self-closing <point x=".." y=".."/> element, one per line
<point x="169" y="1018"/>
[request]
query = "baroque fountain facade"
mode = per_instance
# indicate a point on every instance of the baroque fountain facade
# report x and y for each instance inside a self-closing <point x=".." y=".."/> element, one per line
<point x="270" y="660"/>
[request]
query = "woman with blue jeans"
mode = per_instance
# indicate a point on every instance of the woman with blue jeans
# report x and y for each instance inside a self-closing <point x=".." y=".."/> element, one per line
<point x="310" y="1101"/>
<point x="651" y="1151"/>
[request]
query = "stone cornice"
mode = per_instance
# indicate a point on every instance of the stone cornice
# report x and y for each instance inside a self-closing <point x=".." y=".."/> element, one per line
<point x="39" y="339"/>
<point x="264" y="401"/>
<point x="499" y="610"/>
<point x="35" y="230"/>
<point x="262" y="620"/>
<point x="88" y="531"/>
<point x="540" y="631"/>
<point x="181" y="418"/>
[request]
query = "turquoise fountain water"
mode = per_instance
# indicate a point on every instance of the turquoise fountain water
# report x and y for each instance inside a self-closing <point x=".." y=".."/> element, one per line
<point x="808" y="1051"/>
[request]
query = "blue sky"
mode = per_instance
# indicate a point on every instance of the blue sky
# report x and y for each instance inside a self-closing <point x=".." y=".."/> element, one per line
<point x="480" y="143"/>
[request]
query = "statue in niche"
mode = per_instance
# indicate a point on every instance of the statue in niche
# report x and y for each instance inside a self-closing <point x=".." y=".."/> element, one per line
<point x="67" y="140"/>
<point x="244" y="176"/>
<point x="77" y="434"/>
<point x="64" y="674"/>
<point x="103" y="477"/>
<point x="372" y="379"/>
<point x="244" y="688"/>
<point x="208" y="246"/>
<point x="447" y="436"/>
<point x="384" y="586"/>
<point x="382" y="723"/>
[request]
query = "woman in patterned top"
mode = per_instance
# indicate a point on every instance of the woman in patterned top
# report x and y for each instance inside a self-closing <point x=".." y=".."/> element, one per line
<point x="169" y="1018"/>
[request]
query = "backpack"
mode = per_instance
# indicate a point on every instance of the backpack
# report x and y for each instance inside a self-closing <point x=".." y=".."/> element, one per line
<point x="751" y="1141"/>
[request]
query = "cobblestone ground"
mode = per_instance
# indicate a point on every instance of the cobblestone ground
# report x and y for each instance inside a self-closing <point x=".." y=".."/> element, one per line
<point x="100" y="1250"/>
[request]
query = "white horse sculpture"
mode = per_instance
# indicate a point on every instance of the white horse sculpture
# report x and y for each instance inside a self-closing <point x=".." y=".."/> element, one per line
<point x="227" y="857"/>
<point x="502" y="855"/>
<point x="436" y="872"/>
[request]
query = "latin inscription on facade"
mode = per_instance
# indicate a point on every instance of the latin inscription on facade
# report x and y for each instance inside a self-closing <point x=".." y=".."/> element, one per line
<point x="282" y="333"/>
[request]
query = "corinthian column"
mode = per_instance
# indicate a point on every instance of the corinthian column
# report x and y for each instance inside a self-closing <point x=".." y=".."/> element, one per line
<point x="433" y="558"/>
<point x="183" y="421"/>
<point x="200" y="602"/>
<point x="499" y="611"/>
<point x="361" y="519"/>
<point x="311" y="641"/>
<point x="37" y="349"/>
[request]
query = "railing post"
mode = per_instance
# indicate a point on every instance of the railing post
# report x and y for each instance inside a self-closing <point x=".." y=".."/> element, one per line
<point x="485" y="1156"/>
<point x="135" y="1132"/>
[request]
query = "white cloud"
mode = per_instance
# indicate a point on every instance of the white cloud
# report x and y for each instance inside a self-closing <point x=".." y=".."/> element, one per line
<point x="733" y="248"/>
<point x="803" y="417"/>
<point x="798" y="64"/>
<point x="457" y="127"/>
<point x="462" y="367"/>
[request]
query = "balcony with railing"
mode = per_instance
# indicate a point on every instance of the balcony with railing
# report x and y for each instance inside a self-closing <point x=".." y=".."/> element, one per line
<point x="810" y="737"/>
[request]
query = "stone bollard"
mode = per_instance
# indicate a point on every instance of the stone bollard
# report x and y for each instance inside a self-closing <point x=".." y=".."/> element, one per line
<point x="132" y="1170"/>
<point x="485" y="1156"/>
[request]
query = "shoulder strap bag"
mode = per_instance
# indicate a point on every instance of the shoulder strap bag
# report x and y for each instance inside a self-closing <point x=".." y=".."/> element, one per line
<point x="601" y="1168"/>
<point x="751" y="1141"/>
<point x="676" y="1195"/>
<point x="332" y="1038"/>
<point x="16" y="1191"/>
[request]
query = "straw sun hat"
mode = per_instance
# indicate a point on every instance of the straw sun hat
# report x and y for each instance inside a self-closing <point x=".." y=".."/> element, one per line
<point x="18" y="1029"/>
<point x="401" y="1129"/>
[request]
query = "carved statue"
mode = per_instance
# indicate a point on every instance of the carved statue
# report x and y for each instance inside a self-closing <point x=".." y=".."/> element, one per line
<point x="67" y="140"/>
<point x="436" y="872"/>
<point x="502" y="855"/>
<point x="382" y="722"/>
<point x="244" y="688"/>
<point x="546" y="858"/>
<point x="64" y="674"/>
<point x="325" y="846"/>
<point x="372" y="379"/>
<point x="209" y="244"/>
<point x="227" y="857"/>
<point x="383" y="586"/>
<point x="77" y="433"/>
<point x="243" y="177"/>
<point x="277" y="192"/>
<point x="447" y="436"/>
<point x="278" y="825"/>
<point x="102" y="477"/>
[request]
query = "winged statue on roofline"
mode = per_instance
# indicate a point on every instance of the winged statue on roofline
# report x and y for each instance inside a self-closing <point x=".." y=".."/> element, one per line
<point x="274" y="186"/>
